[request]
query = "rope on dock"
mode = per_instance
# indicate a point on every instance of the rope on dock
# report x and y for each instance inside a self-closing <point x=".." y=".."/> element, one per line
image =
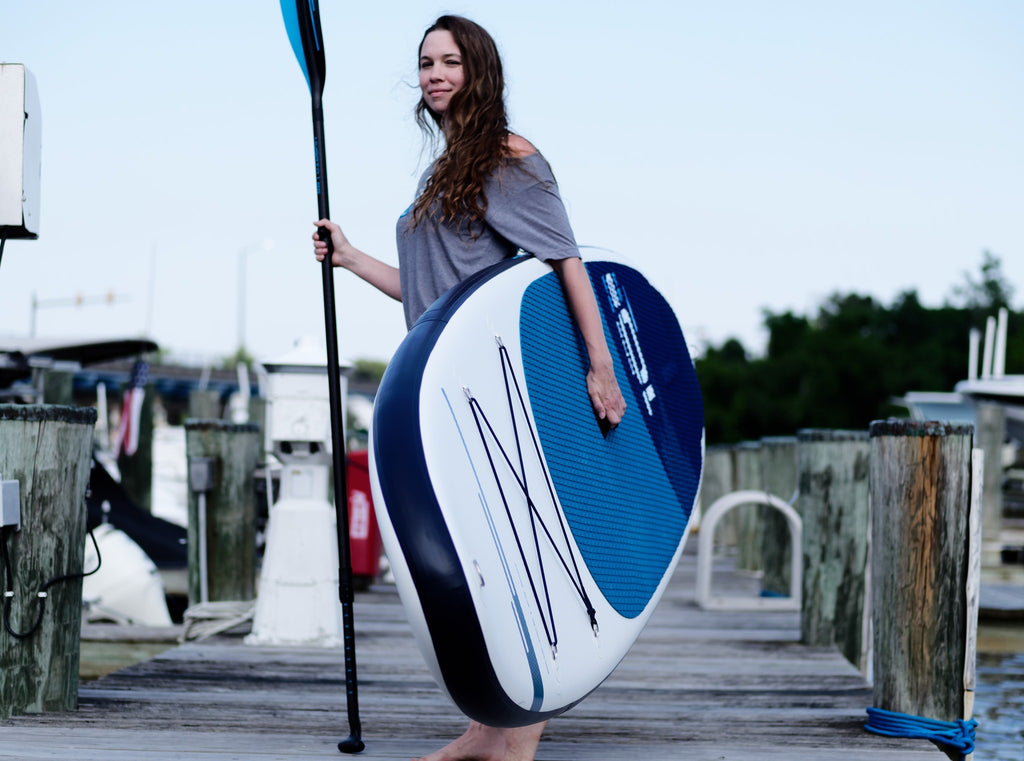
<point x="208" y="618"/>
<point x="957" y="735"/>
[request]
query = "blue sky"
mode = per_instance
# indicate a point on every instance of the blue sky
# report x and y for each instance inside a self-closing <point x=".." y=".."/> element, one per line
<point x="746" y="155"/>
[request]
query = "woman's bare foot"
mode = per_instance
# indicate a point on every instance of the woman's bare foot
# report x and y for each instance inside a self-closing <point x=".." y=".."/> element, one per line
<point x="483" y="743"/>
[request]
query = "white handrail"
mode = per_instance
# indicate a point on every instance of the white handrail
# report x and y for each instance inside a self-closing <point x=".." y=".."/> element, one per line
<point x="705" y="554"/>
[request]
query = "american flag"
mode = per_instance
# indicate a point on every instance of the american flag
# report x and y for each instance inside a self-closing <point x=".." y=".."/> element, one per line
<point x="131" y="410"/>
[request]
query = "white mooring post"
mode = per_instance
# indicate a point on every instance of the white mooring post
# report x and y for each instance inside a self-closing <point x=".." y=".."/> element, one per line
<point x="298" y="602"/>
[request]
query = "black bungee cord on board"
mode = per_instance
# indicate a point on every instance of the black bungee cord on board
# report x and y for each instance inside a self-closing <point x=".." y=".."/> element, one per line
<point x="573" y="573"/>
<point x="575" y="576"/>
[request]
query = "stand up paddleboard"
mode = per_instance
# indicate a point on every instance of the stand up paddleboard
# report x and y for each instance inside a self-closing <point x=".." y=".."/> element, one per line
<point x="529" y="547"/>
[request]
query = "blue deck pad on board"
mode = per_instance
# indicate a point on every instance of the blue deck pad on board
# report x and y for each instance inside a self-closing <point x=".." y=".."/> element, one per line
<point x="627" y="524"/>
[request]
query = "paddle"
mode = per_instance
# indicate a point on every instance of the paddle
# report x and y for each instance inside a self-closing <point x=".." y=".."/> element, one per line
<point x="302" y="20"/>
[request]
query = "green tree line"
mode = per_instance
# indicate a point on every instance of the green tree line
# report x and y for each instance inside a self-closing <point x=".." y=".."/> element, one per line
<point x="842" y="367"/>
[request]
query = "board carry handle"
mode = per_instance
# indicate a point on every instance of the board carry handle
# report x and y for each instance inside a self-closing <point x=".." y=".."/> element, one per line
<point x="302" y="21"/>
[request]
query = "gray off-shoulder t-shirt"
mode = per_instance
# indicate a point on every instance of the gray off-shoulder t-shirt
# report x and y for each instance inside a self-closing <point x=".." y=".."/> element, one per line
<point x="524" y="212"/>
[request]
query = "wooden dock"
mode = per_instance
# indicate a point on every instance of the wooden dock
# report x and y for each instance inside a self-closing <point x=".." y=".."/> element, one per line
<point x="698" y="685"/>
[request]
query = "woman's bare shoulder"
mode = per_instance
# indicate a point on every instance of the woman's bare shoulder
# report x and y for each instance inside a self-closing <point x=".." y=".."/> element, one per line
<point x="520" y="147"/>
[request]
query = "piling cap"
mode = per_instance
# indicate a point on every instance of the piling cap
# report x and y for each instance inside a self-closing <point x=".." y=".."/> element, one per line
<point x="904" y="427"/>
<point x="48" y="413"/>
<point x="830" y="435"/>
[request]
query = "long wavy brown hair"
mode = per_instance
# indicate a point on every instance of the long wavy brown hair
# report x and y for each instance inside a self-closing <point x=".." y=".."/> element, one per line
<point x="474" y="128"/>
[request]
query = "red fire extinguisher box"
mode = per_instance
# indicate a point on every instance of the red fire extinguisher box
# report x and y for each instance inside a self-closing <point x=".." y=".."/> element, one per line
<point x="364" y="535"/>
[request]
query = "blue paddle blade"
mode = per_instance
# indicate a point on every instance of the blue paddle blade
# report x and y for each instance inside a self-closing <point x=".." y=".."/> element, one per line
<point x="302" y="22"/>
<point x="291" y="24"/>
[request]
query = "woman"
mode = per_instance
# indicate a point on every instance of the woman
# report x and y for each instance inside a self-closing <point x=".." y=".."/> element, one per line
<point x="488" y="195"/>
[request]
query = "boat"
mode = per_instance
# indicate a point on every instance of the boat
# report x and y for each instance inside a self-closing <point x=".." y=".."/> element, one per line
<point x="126" y="587"/>
<point x="137" y="549"/>
<point x="986" y="381"/>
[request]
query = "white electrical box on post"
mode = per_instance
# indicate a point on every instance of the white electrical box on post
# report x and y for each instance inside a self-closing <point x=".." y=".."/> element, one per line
<point x="10" y="504"/>
<point x="20" y="147"/>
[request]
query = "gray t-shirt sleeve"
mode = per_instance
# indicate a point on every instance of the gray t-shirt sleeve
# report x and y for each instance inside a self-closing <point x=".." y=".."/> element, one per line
<point x="524" y="211"/>
<point x="525" y="208"/>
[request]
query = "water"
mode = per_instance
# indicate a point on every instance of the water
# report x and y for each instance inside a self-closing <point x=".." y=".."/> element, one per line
<point x="999" y="707"/>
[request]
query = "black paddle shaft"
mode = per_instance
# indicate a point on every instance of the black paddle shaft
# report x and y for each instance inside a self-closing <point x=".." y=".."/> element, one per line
<point x="345" y="589"/>
<point x="307" y="15"/>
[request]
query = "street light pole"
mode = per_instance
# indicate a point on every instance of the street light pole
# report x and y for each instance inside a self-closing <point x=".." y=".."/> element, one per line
<point x="265" y="245"/>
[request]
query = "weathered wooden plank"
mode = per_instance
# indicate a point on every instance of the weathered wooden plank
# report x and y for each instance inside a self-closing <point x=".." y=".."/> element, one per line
<point x="93" y="745"/>
<point x="47" y="449"/>
<point x="698" y="684"/>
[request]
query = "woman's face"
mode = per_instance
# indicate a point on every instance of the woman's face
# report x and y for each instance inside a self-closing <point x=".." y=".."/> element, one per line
<point x="441" y="73"/>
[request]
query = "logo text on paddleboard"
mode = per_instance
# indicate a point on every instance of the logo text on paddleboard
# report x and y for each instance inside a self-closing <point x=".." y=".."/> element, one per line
<point x="625" y="322"/>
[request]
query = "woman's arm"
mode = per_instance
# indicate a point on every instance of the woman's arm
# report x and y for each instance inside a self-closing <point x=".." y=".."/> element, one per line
<point x="602" y="386"/>
<point x="381" y="276"/>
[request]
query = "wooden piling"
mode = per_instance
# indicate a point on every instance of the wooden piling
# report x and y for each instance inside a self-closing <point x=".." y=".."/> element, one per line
<point x="47" y="449"/>
<point x="920" y="502"/>
<point x="750" y="518"/>
<point x="834" y="470"/>
<point x="779" y="476"/>
<point x="230" y="537"/>
<point x="717" y="480"/>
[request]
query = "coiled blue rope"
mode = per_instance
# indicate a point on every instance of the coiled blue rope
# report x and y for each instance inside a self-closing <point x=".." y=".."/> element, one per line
<point x="958" y="735"/>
